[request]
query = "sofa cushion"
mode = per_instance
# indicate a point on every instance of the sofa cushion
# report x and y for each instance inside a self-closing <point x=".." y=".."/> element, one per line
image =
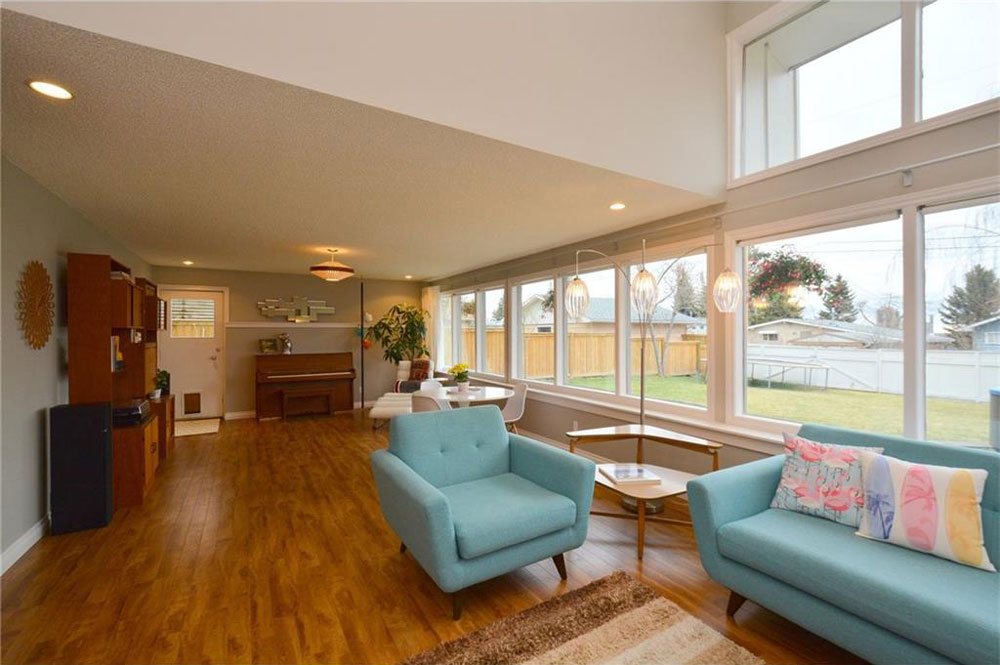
<point x="493" y="513"/>
<point x="942" y="605"/>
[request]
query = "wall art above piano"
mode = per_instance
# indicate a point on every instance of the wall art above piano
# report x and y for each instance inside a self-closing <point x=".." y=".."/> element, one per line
<point x="296" y="309"/>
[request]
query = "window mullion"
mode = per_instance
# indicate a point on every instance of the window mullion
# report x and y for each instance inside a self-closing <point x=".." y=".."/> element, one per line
<point x="559" y="330"/>
<point x="480" y="358"/>
<point x="910" y="60"/>
<point x="623" y="334"/>
<point x="914" y="325"/>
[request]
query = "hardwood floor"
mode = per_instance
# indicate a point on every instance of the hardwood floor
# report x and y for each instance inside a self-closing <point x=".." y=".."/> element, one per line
<point x="264" y="543"/>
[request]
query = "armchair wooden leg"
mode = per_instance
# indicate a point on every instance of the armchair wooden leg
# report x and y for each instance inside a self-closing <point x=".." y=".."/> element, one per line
<point x="402" y="547"/>
<point x="456" y="605"/>
<point x="735" y="603"/>
<point x="560" y="562"/>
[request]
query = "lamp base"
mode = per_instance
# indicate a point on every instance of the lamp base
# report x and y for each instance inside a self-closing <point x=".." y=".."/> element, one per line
<point x="652" y="507"/>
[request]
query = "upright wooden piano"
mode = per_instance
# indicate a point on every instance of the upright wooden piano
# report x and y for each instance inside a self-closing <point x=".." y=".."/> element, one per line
<point x="304" y="383"/>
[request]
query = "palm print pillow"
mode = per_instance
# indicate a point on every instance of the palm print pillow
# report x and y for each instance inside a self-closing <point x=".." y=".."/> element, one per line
<point x="822" y="479"/>
<point x="933" y="509"/>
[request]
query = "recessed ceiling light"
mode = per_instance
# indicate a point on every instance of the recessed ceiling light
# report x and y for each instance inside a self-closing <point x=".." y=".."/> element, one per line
<point x="617" y="205"/>
<point x="188" y="263"/>
<point x="50" y="89"/>
<point x="408" y="276"/>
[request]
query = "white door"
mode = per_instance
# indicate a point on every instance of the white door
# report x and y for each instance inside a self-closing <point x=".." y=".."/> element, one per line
<point x="192" y="350"/>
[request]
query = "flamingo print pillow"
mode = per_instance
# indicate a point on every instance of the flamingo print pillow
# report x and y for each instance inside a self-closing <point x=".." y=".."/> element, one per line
<point x="821" y="479"/>
<point x="933" y="509"/>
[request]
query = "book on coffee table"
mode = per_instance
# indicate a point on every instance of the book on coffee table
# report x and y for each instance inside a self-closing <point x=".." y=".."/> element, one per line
<point x="629" y="474"/>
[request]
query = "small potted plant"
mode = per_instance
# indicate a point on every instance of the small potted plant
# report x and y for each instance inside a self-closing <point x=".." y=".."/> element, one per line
<point x="162" y="381"/>
<point x="461" y="374"/>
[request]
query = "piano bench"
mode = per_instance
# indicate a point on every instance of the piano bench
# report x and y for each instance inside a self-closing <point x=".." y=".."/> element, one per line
<point x="303" y="393"/>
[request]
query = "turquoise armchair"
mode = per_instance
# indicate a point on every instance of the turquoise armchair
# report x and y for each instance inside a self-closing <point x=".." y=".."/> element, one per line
<point x="471" y="501"/>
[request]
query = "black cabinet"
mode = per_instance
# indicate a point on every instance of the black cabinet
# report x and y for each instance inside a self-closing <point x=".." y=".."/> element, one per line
<point x="80" y="466"/>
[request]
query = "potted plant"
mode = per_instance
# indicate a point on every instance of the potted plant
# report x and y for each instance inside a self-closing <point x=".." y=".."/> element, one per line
<point x="401" y="333"/>
<point x="461" y="374"/>
<point x="162" y="381"/>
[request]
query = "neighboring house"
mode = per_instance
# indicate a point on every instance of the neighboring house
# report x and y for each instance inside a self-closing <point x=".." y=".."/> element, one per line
<point x="601" y="319"/>
<point x="985" y="334"/>
<point x="821" y="332"/>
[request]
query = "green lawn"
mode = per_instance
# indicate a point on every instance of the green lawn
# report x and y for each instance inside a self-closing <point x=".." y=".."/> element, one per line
<point x="947" y="419"/>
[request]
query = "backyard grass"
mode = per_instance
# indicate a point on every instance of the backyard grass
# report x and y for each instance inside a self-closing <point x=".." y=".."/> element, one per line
<point x="947" y="419"/>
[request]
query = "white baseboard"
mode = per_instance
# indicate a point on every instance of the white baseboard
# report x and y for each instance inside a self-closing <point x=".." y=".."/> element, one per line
<point x="368" y="403"/>
<point x="21" y="546"/>
<point x="239" y="415"/>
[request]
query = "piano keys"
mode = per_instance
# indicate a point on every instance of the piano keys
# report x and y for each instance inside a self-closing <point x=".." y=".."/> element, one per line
<point x="304" y="383"/>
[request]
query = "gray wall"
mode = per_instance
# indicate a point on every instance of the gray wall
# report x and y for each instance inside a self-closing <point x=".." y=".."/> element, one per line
<point x="36" y="225"/>
<point x="246" y="288"/>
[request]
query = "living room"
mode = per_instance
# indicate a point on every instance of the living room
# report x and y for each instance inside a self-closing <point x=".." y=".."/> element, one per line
<point x="718" y="280"/>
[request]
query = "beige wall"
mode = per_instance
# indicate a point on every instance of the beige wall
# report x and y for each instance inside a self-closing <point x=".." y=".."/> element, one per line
<point x="246" y="288"/>
<point x="36" y="226"/>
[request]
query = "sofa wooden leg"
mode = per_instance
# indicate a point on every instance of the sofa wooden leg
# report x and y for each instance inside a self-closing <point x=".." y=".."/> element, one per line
<point x="456" y="605"/>
<point x="560" y="562"/>
<point x="402" y="547"/>
<point x="735" y="603"/>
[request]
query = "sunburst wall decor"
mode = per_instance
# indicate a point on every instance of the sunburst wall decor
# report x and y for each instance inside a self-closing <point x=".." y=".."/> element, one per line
<point x="35" y="304"/>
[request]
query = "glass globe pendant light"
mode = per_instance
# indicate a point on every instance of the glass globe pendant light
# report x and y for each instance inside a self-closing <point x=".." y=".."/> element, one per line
<point x="577" y="298"/>
<point x="645" y="290"/>
<point x="727" y="291"/>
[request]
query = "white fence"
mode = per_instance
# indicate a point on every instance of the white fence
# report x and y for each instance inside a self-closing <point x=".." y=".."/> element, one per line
<point x="964" y="375"/>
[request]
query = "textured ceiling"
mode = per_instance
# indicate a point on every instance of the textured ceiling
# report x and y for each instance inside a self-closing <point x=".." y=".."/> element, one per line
<point x="180" y="159"/>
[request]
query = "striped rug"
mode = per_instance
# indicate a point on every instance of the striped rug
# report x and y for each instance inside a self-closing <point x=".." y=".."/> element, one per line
<point x="613" y="620"/>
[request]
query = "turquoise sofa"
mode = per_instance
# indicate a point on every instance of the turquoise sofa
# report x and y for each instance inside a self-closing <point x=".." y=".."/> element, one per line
<point x="472" y="501"/>
<point x="884" y="603"/>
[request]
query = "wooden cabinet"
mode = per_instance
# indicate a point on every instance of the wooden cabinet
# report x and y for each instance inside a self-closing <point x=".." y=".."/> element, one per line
<point x="104" y="302"/>
<point x="149" y="369"/>
<point x="164" y="410"/>
<point x="137" y="303"/>
<point x="135" y="458"/>
<point x="121" y="303"/>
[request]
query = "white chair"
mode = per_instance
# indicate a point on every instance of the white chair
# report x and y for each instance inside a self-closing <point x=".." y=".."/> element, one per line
<point x="513" y="410"/>
<point x="430" y="384"/>
<point x="425" y="402"/>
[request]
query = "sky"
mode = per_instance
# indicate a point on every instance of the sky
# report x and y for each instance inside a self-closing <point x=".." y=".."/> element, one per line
<point x="961" y="66"/>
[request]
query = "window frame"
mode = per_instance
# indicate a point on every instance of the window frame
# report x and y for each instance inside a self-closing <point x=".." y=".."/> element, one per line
<point x="654" y="256"/>
<point x="911" y="121"/>
<point x="909" y="208"/>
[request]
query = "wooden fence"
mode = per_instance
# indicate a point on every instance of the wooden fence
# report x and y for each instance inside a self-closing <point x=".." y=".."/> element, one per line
<point x="590" y="354"/>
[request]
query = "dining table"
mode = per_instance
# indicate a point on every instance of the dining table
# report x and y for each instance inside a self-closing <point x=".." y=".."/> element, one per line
<point x="472" y="396"/>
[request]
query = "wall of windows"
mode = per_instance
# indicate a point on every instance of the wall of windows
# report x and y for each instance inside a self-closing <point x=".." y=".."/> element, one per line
<point x="676" y="364"/>
<point x="841" y="310"/>
<point x="841" y="72"/>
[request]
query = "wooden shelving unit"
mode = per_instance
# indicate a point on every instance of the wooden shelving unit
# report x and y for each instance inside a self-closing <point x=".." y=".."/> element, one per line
<point x="105" y="303"/>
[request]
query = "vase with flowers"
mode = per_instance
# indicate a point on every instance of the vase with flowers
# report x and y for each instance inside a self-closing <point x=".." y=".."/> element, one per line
<point x="461" y="374"/>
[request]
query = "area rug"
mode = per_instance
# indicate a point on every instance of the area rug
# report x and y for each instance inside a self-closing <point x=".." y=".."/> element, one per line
<point x="616" y="619"/>
<point x="192" y="427"/>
